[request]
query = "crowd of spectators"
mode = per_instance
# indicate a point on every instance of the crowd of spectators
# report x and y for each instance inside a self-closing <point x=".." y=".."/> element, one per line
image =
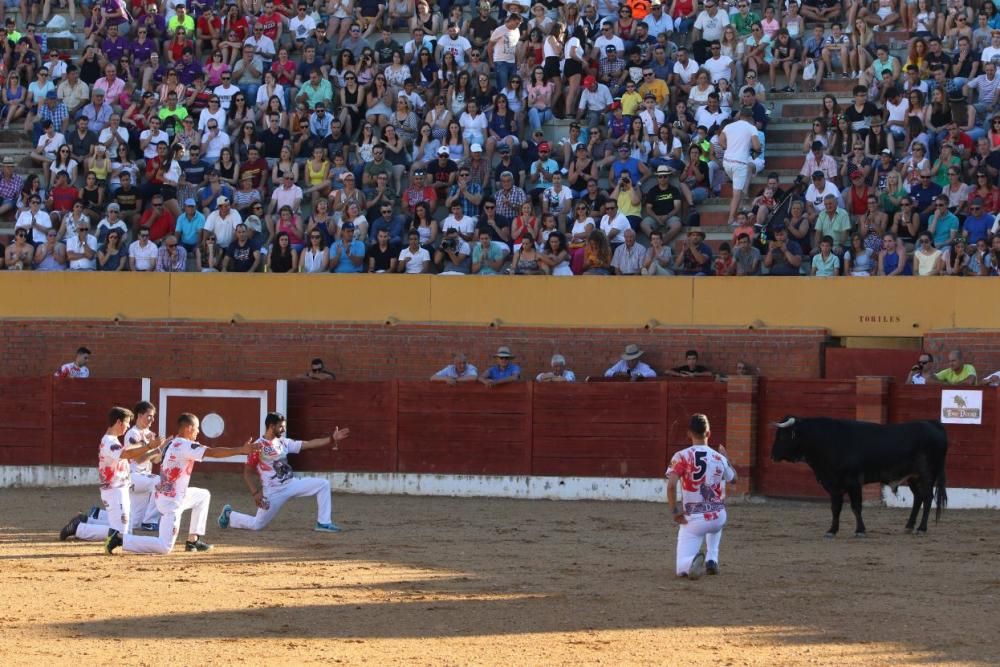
<point x="278" y="136"/>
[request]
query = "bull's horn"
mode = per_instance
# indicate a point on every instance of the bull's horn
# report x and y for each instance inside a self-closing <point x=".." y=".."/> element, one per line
<point x="785" y="424"/>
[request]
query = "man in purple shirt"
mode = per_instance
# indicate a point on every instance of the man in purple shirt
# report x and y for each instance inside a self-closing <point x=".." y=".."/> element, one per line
<point x="115" y="46"/>
<point x="188" y="68"/>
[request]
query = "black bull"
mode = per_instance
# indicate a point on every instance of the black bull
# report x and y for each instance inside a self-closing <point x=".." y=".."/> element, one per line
<point x="845" y="455"/>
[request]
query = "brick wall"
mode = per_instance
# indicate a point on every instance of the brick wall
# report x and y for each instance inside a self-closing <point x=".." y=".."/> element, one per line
<point x="241" y="351"/>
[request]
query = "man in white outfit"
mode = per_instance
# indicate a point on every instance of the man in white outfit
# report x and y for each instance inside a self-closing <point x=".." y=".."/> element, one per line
<point x="703" y="473"/>
<point x="272" y="482"/>
<point x="113" y="469"/>
<point x="173" y="495"/>
<point x="144" y="514"/>
<point x="738" y="139"/>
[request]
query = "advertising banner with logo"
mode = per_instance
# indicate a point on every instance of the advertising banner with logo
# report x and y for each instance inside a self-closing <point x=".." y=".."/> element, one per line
<point x="962" y="406"/>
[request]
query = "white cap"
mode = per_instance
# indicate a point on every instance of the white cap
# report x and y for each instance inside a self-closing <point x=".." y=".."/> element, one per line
<point x="558" y="359"/>
<point x="222" y="200"/>
<point x="476" y="148"/>
<point x="443" y="150"/>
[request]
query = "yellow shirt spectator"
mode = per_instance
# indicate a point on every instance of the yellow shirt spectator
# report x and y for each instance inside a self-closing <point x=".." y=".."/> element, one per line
<point x="174" y="23"/>
<point x="949" y="376"/>
<point x="656" y="86"/>
<point x="630" y="103"/>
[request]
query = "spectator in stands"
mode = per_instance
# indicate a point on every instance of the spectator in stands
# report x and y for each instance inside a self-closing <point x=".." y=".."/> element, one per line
<point x="318" y="371"/>
<point x="957" y="373"/>
<point x="19" y="255"/>
<point x="170" y="259"/>
<point x="784" y="256"/>
<point x="923" y="365"/>
<point x="691" y="367"/>
<point x="81" y="248"/>
<point x="10" y="185"/>
<point x="559" y="372"/>
<point x="629" y="366"/>
<point x="413" y="259"/>
<point x="628" y="257"/>
<point x="504" y="371"/>
<point x="459" y="370"/>
<point x="143" y="253"/>
<point x="243" y="254"/>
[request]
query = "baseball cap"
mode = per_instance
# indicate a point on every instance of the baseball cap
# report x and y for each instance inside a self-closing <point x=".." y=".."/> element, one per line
<point x="817" y="145"/>
<point x="443" y="150"/>
<point x="504" y="148"/>
<point x="609" y="48"/>
<point x="856" y="173"/>
<point x="114" y="207"/>
<point x="349" y="226"/>
<point x="189" y="202"/>
<point x="978" y="201"/>
<point x="616" y="105"/>
<point x="544" y="146"/>
<point x="819" y="174"/>
<point x="51" y="95"/>
<point x="476" y="148"/>
<point x="99" y="92"/>
<point x="589" y="80"/>
<point x="222" y="199"/>
<point x="886" y="151"/>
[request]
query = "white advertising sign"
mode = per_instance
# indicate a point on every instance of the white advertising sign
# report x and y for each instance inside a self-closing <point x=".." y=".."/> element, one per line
<point x="961" y="406"/>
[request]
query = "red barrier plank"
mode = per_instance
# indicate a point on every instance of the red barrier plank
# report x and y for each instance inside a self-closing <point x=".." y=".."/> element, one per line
<point x="80" y="413"/>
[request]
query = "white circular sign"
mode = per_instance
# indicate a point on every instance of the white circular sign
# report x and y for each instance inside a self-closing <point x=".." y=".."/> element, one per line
<point x="212" y="425"/>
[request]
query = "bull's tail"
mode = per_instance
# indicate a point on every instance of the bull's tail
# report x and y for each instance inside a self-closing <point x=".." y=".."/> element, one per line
<point x="942" y="495"/>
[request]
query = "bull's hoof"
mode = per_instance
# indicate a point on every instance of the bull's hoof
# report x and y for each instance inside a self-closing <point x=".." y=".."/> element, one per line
<point x="830" y="535"/>
<point x="920" y="533"/>
<point x="860" y="534"/>
<point x="908" y="528"/>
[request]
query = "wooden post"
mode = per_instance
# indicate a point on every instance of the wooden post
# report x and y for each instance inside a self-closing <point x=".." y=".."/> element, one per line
<point x="741" y="426"/>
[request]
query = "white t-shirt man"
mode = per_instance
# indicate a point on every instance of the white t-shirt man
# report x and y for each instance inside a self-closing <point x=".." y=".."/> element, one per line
<point x="506" y="43"/>
<point x="225" y="93"/>
<point x="75" y="245"/>
<point x="49" y="146"/>
<point x="648" y="118"/>
<point x="144" y="255"/>
<point x="223" y="226"/>
<point x="139" y="437"/>
<point x="816" y="196"/>
<point x="205" y="115"/>
<point x="112" y="470"/>
<point x="685" y="72"/>
<point x="719" y="68"/>
<point x="211" y="146"/>
<point x="619" y="223"/>
<point x="709" y="118"/>
<point x="711" y="26"/>
<point x="179" y="458"/>
<point x="458" y="46"/>
<point x="154" y="138"/>
<point x="602" y="42"/>
<point x="302" y="28"/>
<point x="417" y="259"/>
<point x="739" y="140"/>
<point x="465" y="226"/>
<point x="24" y="221"/>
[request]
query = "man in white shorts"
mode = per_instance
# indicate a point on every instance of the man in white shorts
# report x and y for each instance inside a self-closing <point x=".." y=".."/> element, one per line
<point x="173" y="495"/>
<point x="272" y="482"/>
<point x="116" y="480"/>
<point x="703" y="473"/>
<point x="738" y="139"/>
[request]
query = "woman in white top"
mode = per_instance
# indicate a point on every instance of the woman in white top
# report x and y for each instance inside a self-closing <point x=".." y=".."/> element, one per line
<point x="552" y="51"/>
<point x="64" y="162"/>
<point x="473" y="123"/>
<point x="396" y="73"/>
<point x="700" y="91"/>
<point x="314" y="257"/>
<point x="927" y="259"/>
<point x="271" y="88"/>
<point x="438" y="118"/>
<point x="580" y="231"/>
<point x="555" y="259"/>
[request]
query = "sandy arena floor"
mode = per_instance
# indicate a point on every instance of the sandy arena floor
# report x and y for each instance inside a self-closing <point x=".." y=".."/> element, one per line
<point x="453" y="581"/>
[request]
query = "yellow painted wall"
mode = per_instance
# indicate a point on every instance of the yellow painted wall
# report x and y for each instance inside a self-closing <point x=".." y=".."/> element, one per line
<point x="899" y="307"/>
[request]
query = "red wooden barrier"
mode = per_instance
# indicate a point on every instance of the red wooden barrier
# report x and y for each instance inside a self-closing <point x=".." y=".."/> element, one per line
<point x="79" y="415"/>
<point x="803" y="398"/>
<point x="842" y="363"/>
<point x="972" y="450"/>
<point x="369" y="409"/>
<point x="611" y="429"/>
<point x="26" y="436"/>
<point x="465" y="429"/>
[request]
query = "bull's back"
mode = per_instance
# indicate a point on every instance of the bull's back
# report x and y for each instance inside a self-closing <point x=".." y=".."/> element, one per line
<point x="878" y="452"/>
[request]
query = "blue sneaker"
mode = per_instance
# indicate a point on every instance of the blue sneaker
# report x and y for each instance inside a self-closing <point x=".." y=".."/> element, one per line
<point x="150" y="527"/>
<point x="326" y="528"/>
<point x="224" y="516"/>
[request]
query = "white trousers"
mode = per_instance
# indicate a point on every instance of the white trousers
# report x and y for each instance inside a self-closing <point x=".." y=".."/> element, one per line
<point x="299" y="487"/>
<point x="143" y="488"/>
<point x="195" y="499"/>
<point x="143" y="508"/>
<point x="689" y="537"/>
<point x="117" y="510"/>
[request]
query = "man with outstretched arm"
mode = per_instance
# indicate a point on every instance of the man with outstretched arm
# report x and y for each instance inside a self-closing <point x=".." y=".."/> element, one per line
<point x="173" y="495"/>
<point x="272" y="482"/>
